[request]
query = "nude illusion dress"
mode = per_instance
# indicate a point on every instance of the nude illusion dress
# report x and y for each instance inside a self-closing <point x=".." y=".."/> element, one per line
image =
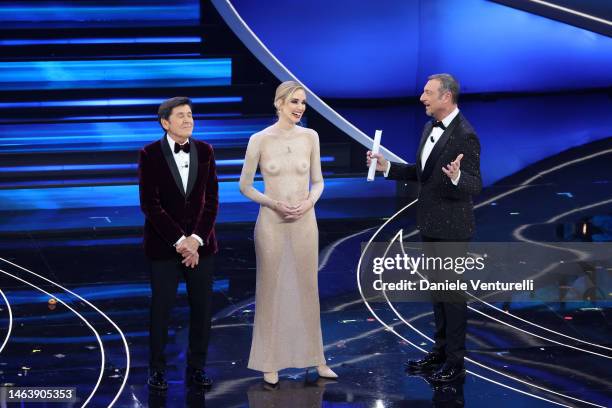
<point x="287" y="329"/>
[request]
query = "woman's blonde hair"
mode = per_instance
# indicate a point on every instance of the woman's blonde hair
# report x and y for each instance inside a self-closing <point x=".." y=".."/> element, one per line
<point x="285" y="91"/>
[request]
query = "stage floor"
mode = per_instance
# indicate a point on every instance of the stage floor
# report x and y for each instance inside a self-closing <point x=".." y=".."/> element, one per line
<point x="95" y="337"/>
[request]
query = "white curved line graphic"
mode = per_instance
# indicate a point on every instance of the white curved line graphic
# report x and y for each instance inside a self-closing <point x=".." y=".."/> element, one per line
<point x="390" y="329"/>
<point x="572" y="11"/>
<point x="125" y="345"/>
<point x="10" y="326"/>
<point x="84" y="320"/>
<point x="422" y="350"/>
<point x="586" y="207"/>
<point x="327" y="251"/>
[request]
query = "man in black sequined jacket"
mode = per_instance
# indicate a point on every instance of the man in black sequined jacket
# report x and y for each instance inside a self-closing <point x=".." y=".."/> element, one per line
<point x="447" y="170"/>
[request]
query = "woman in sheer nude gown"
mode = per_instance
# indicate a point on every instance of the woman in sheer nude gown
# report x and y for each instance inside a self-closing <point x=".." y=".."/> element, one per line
<point x="287" y="329"/>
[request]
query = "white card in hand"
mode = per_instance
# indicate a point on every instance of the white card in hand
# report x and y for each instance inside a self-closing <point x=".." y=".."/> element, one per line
<point x="375" y="148"/>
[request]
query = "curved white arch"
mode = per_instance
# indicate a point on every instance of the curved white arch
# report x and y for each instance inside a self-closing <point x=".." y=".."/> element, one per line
<point x="265" y="56"/>
<point x="125" y="344"/>
<point x="84" y="320"/>
<point x="10" y="326"/>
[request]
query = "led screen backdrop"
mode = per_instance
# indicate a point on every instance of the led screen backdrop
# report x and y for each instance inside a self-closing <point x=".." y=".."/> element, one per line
<point x="89" y="74"/>
<point x="366" y="49"/>
<point x="98" y="13"/>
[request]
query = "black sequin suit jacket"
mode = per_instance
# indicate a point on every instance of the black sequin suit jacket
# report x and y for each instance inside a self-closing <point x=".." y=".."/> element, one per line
<point x="445" y="211"/>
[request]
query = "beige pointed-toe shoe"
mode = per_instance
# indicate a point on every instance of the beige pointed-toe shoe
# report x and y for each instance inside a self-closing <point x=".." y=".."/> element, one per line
<point x="271" y="378"/>
<point x="326" y="372"/>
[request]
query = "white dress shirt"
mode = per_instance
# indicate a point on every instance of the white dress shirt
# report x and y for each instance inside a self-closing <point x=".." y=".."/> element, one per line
<point x="182" y="162"/>
<point x="436" y="132"/>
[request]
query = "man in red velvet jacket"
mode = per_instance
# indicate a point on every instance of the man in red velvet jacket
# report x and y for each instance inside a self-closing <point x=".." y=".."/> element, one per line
<point x="179" y="198"/>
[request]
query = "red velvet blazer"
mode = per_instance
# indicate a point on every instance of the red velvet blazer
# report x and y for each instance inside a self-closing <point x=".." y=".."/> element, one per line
<point x="171" y="212"/>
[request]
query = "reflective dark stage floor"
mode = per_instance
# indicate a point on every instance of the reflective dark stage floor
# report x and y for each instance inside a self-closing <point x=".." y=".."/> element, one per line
<point x="94" y="337"/>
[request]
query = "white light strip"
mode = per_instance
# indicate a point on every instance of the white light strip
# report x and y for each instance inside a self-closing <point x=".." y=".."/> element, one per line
<point x="571" y="11"/>
<point x="84" y="320"/>
<point x="265" y="56"/>
<point x="125" y="344"/>
<point x="575" y="210"/>
<point x="343" y="306"/>
<point x="331" y="247"/>
<point x="10" y="325"/>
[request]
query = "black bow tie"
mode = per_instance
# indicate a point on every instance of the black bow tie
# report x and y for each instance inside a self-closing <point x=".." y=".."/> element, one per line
<point x="184" y="147"/>
<point x="437" y="123"/>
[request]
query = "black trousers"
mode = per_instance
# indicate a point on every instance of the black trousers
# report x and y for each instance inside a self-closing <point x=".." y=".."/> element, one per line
<point x="165" y="276"/>
<point x="450" y="308"/>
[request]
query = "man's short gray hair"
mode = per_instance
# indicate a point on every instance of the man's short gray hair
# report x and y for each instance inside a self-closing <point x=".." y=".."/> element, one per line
<point x="447" y="83"/>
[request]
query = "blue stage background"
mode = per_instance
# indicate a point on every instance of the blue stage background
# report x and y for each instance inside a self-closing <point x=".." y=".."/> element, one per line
<point x="72" y="120"/>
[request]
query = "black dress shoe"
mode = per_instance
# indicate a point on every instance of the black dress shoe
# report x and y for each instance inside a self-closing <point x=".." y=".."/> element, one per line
<point x="448" y="373"/>
<point x="429" y="362"/>
<point x="157" y="380"/>
<point x="197" y="376"/>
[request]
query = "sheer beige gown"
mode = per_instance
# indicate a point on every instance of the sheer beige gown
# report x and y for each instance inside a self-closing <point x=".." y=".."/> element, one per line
<point x="287" y="329"/>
